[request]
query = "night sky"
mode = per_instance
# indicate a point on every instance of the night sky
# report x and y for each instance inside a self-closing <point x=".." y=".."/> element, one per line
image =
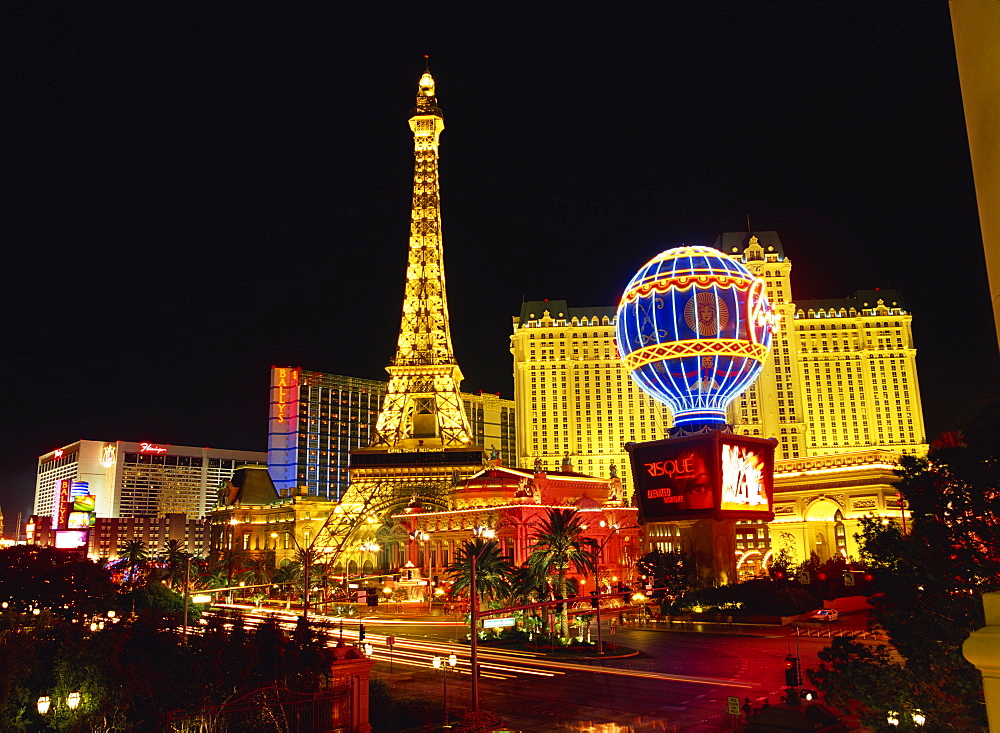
<point x="197" y="192"/>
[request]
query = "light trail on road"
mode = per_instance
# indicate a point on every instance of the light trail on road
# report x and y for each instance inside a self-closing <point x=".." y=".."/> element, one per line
<point x="499" y="664"/>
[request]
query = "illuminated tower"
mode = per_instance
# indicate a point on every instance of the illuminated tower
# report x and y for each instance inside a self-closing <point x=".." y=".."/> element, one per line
<point x="422" y="412"/>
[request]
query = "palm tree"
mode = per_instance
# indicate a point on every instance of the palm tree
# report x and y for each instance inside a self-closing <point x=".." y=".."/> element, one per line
<point x="133" y="553"/>
<point x="493" y="570"/>
<point x="259" y="568"/>
<point x="174" y="558"/>
<point x="232" y="560"/>
<point x="289" y="574"/>
<point x="526" y="587"/>
<point x="559" y="546"/>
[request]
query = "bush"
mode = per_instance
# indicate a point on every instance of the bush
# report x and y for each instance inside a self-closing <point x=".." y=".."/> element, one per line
<point x="752" y="598"/>
<point x="389" y="713"/>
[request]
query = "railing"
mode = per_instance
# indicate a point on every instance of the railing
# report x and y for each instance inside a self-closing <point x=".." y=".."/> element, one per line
<point x="270" y="709"/>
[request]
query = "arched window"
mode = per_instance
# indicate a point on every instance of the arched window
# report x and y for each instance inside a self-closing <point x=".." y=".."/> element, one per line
<point x="840" y="534"/>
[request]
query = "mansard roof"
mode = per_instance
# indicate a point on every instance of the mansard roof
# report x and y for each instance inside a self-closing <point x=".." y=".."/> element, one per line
<point x="251" y="485"/>
<point x="859" y="300"/>
<point x="534" y="310"/>
<point x="734" y="243"/>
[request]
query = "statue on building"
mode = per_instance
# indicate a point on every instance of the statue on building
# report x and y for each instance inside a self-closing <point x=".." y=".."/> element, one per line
<point x="613" y="487"/>
<point x="538" y="464"/>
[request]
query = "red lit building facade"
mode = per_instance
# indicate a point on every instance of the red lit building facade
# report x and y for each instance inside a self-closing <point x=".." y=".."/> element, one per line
<point x="513" y="502"/>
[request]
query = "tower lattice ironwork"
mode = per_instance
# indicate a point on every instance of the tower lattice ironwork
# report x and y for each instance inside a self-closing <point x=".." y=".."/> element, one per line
<point x="422" y="407"/>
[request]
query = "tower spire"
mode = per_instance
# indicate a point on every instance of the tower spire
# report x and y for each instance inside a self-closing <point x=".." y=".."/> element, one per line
<point x="422" y="406"/>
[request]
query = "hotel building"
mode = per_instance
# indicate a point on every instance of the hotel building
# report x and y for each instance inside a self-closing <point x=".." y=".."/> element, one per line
<point x="574" y="396"/>
<point x="316" y="419"/>
<point x="842" y="373"/>
<point x="138" y="479"/>
<point x="839" y="392"/>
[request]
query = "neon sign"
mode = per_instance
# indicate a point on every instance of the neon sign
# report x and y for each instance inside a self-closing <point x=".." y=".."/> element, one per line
<point x="286" y="380"/>
<point x="108" y="455"/>
<point x="151" y="448"/>
<point x="59" y="453"/>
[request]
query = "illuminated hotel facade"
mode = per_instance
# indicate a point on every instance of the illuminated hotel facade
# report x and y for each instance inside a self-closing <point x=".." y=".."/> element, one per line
<point x="574" y="396"/>
<point x="139" y="479"/>
<point x="839" y="392"/>
<point x="842" y="374"/>
<point x="316" y="419"/>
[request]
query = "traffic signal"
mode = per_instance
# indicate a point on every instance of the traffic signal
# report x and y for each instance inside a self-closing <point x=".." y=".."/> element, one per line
<point x="594" y="602"/>
<point x="791" y="671"/>
<point x="371" y="597"/>
<point x="361" y="632"/>
<point x="559" y="606"/>
<point x="779" y="574"/>
<point x="434" y="581"/>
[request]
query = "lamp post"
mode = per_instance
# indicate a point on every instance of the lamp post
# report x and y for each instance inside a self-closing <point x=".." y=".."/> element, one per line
<point x="444" y="665"/>
<point x="615" y="528"/>
<point x="187" y="594"/>
<point x="73" y="700"/>
<point x="486" y="533"/>
<point x="902" y="510"/>
<point x="370" y="546"/>
<point x="597" y="578"/>
<point x="44" y="702"/>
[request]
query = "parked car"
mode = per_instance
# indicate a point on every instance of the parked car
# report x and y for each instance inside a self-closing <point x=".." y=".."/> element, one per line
<point x="826" y="614"/>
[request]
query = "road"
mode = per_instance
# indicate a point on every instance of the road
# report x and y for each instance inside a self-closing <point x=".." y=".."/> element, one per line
<point x="679" y="681"/>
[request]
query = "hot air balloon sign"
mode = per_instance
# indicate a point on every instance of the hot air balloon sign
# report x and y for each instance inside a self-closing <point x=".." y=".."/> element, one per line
<point x="694" y="327"/>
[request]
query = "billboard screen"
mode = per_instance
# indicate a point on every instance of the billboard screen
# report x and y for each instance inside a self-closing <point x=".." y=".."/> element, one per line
<point x="710" y="475"/>
<point x="79" y="520"/>
<point x="71" y="539"/>
<point x="746" y="471"/>
<point x="85" y="503"/>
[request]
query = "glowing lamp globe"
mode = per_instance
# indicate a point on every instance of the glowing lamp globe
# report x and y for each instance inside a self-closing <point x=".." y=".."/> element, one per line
<point x="693" y="328"/>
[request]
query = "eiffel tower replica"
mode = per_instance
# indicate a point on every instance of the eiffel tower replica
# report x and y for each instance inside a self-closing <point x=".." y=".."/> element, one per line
<point x="422" y="434"/>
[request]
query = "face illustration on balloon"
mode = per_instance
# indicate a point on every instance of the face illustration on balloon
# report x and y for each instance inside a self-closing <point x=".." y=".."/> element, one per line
<point x="705" y="314"/>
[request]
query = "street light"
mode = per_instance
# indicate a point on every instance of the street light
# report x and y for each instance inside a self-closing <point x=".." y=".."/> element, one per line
<point x="615" y="528"/>
<point x="489" y="534"/>
<point x="918" y="717"/>
<point x="444" y="665"/>
<point x="892" y="718"/>
<point x="73" y="700"/>
<point x="43" y="705"/>
<point x="418" y="535"/>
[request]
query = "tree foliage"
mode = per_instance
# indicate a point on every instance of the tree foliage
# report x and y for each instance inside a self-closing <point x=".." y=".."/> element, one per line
<point x="493" y="571"/>
<point x="130" y="675"/>
<point x="47" y="578"/>
<point x="670" y="573"/>
<point x="929" y="582"/>
<point x="560" y="545"/>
